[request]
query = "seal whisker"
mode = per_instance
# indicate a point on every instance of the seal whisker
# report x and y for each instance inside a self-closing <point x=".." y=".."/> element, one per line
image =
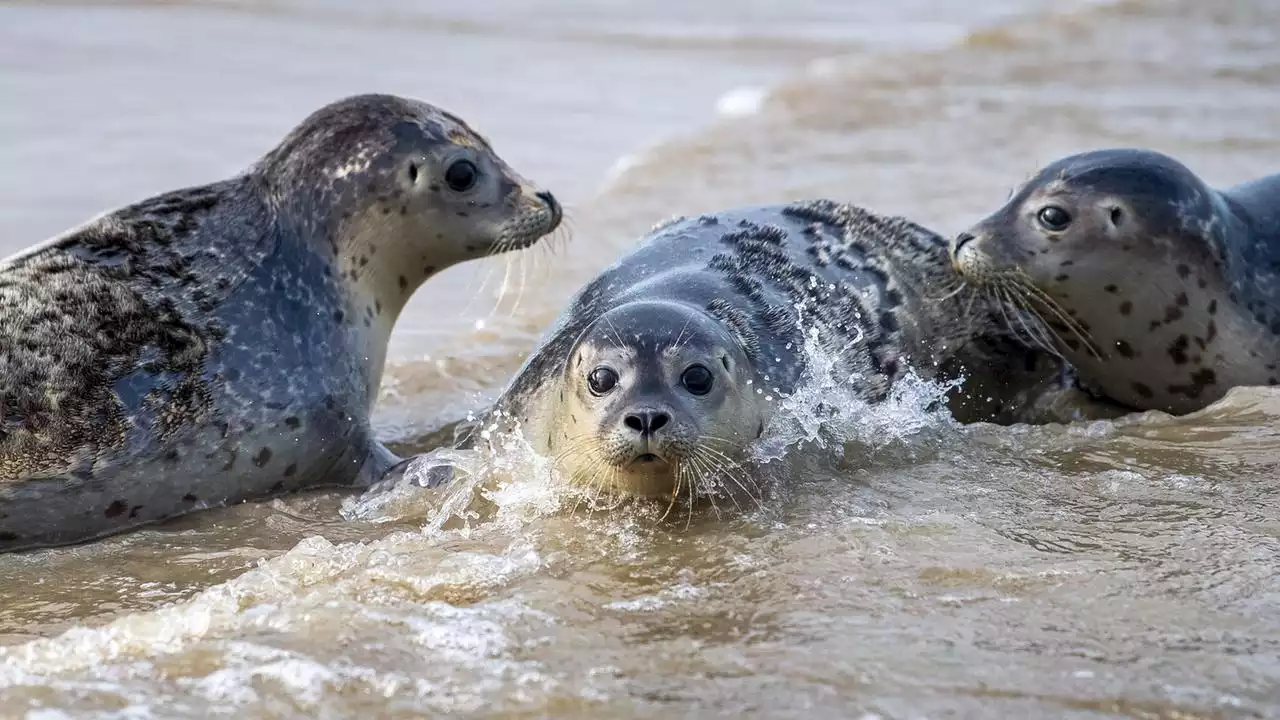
<point x="1037" y="330"/>
<point x="754" y="492"/>
<point x="1034" y="293"/>
<point x="681" y="469"/>
<point x="721" y="469"/>
<point x="708" y="477"/>
<point x="1005" y="297"/>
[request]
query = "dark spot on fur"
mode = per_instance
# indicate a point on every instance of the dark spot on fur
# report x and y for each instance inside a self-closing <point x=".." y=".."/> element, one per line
<point x="231" y="461"/>
<point x="338" y="315"/>
<point x="190" y="498"/>
<point x="171" y="455"/>
<point x="276" y="487"/>
<point x="463" y="213"/>
<point x="1183" y="271"/>
<point x="1072" y="343"/>
<point x="1111" y="289"/>
<point x="291" y="469"/>
<point x="1124" y="348"/>
<point x="133" y="511"/>
<point x="1202" y="284"/>
<point x="1126" y="307"/>
<point x="363" y="261"/>
<point x="292" y="422"/>
<point x="7" y="536"/>
<point x="1062" y="278"/>
<point x="1171" y="313"/>
<point x="1213" y="307"/>
<point x="429" y="270"/>
<point x="263" y="457"/>
<point x="377" y="306"/>
<point x="1066" y="263"/>
<point x="404" y="282"/>
<point x="1154" y="324"/>
<point x="1181" y="299"/>
<point x="1178" y="350"/>
<point x="1200" y="379"/>
<point x="1143" y="390"/>
<point x="404" y="209"/>
<point x="116" y="509"/>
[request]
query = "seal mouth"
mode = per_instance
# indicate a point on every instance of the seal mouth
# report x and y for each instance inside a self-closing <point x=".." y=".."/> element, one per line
<point x="646" y="458"/>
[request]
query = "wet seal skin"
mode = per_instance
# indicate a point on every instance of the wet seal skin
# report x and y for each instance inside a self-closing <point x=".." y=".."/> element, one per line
<point x="225" y="343"/>
<point x="666" y="366"/>
<point x="1160" y="290"/>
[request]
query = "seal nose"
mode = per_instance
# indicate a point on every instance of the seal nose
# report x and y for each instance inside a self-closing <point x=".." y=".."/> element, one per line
<point x="646" y="422"/>
<point x="557" y="213"/>
<point x="960" y="241"/>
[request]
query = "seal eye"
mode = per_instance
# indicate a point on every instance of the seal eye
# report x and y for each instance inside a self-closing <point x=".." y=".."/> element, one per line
<point x="1053" y="218"/>
<point x="601" y="380"/>
<point x="461" y="175"/>
<point x="697" y="380"/>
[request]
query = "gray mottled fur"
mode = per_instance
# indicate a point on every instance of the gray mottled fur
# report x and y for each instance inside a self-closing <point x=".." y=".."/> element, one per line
<point x="1176" y="283"/>
<point x="206" y="346"/>
<point x="885" y="279"/>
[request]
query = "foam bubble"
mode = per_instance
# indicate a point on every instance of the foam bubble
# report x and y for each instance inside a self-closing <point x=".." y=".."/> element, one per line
<point x="741" y="102"/>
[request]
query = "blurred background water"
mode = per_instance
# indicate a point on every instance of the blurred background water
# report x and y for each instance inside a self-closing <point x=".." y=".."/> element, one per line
<point x="1121" y="569"/>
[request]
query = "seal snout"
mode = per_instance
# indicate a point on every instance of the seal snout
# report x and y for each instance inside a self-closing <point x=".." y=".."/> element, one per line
<point x="644" y="425"/>
<point x="553" y="205"/>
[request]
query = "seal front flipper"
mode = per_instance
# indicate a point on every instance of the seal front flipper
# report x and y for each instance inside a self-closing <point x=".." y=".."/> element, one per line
<point x="378" y="460"/>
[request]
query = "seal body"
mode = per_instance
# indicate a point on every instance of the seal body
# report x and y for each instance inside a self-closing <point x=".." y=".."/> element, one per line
<point x="225" y="342"/>
<point x="670" y="362"/>
<point x="1159" y="289"/>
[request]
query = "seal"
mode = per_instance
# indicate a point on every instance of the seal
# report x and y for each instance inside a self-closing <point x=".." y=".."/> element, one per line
<point x="224" y="343"/>
<point x="663" y="369"/>
<point x="1159" y="289"/>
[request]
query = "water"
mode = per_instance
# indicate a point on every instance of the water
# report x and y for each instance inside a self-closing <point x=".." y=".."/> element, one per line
<point x="1125" y="569"/>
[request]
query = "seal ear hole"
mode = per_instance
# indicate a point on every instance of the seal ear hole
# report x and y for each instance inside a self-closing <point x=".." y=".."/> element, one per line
<point x="724" y="360"/>
<point x="413" y="172"/>
<point x="1117" y="215"/>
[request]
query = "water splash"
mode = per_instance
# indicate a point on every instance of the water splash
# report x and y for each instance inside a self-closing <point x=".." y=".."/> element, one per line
<point x="827" y="408"/>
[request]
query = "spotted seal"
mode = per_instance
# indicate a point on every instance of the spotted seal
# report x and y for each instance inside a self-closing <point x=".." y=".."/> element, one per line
<point x="674" y="360"/>
<point x="1160" y="290"/>
<point x="225" y="342"/>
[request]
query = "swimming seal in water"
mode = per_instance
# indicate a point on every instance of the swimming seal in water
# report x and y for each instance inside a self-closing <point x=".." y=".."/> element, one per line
<point x="1160" y="290"/>
<point x="225" y="342"/>
<point x="672" y="361"/>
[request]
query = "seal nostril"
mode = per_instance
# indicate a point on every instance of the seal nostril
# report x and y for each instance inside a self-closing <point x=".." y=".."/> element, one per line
<point x="646" y="422"/>
<point x="961" y="239"/>
<point x="552" y="204"/>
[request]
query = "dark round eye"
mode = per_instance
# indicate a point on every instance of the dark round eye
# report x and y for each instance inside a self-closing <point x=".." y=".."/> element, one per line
<point x="461" y="175"/>
<point x="1053" y="217"/>
<point x="697" y="380"/>
<point x="601" y="380"/>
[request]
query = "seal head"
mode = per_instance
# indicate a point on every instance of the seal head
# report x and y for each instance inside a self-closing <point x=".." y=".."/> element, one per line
<point x="1119" y="260"/>
<point x="656" y="393"/>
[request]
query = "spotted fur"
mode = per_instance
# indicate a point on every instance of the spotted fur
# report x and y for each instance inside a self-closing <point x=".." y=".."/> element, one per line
<point x="225" y="342"/>
<point x="879" y="289"/>
<point x="1167" y="291"/>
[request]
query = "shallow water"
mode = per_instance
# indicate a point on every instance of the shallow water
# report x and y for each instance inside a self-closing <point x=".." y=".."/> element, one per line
<point x="1125" y="569"/>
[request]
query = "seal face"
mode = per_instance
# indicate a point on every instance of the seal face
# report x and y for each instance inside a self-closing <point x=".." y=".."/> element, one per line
<point x="225" y="342"/>
<point x="664" y="368"/>
<point x="1159" y="289"/>
<point x="652" y="389"/>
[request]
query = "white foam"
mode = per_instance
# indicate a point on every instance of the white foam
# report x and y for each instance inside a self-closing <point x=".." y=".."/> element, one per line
<point x="741" y="102"/>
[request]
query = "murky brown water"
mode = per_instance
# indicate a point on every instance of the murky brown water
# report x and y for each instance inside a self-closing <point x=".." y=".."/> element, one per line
<point x="1126" y="569"/>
